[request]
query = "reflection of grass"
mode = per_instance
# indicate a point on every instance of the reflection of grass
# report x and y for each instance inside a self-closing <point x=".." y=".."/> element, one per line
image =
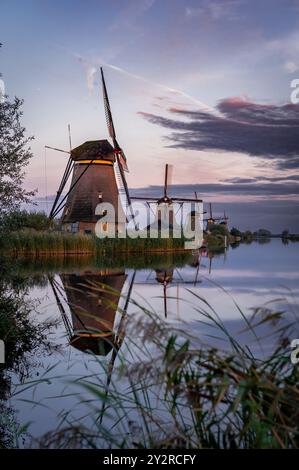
<point x="36" y="270"/>
<point x="168" y="393"/>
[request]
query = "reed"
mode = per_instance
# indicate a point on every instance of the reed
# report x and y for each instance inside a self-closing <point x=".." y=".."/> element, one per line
<point x="37" y="243"/>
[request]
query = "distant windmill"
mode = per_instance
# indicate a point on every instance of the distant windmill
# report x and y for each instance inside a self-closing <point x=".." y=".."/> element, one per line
<point x="93" y="165"/>
<point x="211" y="220"/>
<point x="225" y="219"/>
<point x="164" y="216"/>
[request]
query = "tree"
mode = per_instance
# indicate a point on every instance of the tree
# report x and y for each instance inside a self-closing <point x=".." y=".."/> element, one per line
<point x="235" y="232"/>
<point x="14" y="156"/>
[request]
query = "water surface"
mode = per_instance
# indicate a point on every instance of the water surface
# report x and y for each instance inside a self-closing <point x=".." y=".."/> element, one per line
<point x="176" y="288"/>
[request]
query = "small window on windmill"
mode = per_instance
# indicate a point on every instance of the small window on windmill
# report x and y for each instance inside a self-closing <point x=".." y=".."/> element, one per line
<point x="75" y="227"/>
<point x="105" y="227"/>
<point x="100" y="197"/>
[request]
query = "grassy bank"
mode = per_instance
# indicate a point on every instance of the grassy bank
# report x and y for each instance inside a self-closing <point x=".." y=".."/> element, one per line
<point x="38" y="243"/>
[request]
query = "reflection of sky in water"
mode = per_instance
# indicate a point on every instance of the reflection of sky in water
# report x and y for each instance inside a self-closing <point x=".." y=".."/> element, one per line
<point x="251" y="276"/>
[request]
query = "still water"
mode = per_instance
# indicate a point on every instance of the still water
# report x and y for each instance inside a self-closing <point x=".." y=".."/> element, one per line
<point x="79" y="298"/>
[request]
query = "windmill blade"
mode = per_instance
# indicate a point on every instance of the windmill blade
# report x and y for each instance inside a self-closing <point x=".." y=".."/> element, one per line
<point x="166" y="180"/>
<point x="144" y="198"/>
<point x="65" y="177"/>
<point x="196" y="275"/>
<point x="186" y="199"/>
<point x="70" y="137"/>
<point x="57" y="150"/>
<point x="108" y="113"/>
<point x="121" y="158"/>
<point x="126" y="189"/>
<point x="60" y="306"/>
<point x="123" y="161"/>
<point x="119" y="340"/>
<point x="66" y="174"/>
<point x="165" y="299"/>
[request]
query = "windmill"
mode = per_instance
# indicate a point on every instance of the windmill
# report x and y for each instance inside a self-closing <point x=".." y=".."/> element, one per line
<point x="211" y="220"/>
<point x="98" y="176"/>
<point x="225" y="219"/>
<point x="164" y="215"/>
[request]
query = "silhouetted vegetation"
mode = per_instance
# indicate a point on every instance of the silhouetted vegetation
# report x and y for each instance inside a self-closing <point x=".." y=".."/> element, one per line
<point x="20" y="220"/>
<point x="21" y="336"/>
<point x="14" y="156"/>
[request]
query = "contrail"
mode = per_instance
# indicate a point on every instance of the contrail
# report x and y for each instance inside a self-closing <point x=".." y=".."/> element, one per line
<point x="91" y="72"/>
<point x="160" y="85"/>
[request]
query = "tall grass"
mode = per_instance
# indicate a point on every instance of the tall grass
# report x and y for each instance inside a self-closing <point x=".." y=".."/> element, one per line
<point x="35" y="243"/>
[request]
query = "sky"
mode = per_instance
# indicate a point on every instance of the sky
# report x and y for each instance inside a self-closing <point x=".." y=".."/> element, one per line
<point x="202" y="85"/>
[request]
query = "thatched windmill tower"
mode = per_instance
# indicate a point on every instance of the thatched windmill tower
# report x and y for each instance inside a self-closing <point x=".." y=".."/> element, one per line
<point x="94" y="168"/>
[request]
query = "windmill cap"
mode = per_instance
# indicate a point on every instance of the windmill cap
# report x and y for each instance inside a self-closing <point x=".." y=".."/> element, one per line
<point x="93" y="149"/>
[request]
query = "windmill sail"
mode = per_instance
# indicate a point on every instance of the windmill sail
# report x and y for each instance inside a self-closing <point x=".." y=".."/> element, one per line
<point x="111" y="129"/>
<point x="119" y="154"/>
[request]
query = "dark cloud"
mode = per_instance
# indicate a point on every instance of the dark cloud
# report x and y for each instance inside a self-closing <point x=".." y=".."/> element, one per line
<point x="239" y="188"/>
<point x="272" y="179"/>
<point x="267" y="131"/>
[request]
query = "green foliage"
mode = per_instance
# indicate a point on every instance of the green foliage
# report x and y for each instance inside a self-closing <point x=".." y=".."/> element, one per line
<point x="14" y="156"/>
<point x="262" y="232"/>
<point x="235" y="232"/>
<point x="19" y="220"/>
<point x="218" y="229"/>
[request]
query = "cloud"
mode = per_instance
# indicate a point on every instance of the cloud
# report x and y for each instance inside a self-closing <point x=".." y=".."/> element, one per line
<point x="90" y="77"/>
<point x="256" y="179"/>
<point x="129" y="16"/>
<point x="215" y="10"/>
<point x="259" y="130"/>
<point x="235" y="188"/>
<point x="291" y="66"/>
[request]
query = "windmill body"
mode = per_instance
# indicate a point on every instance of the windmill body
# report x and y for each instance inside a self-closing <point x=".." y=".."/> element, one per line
<point x="93" y="170"/>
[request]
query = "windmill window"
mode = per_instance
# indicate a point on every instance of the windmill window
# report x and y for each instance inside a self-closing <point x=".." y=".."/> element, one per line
<point x="105" y="227"/>
<point x="100" y="196"/>
<point x="75" y="227"/>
